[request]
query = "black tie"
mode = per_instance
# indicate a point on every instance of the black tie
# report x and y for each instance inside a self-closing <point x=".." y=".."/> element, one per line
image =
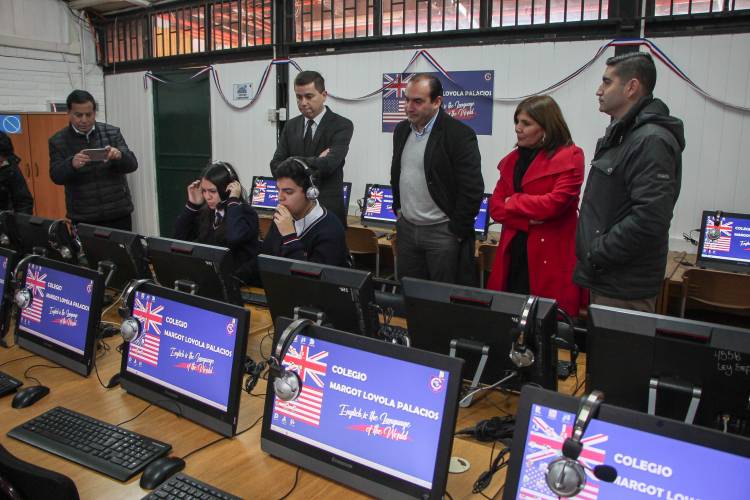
<point x="307" y="140"/>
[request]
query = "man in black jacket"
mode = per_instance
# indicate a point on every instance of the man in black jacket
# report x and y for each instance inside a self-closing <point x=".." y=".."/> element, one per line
<point x="14" y="192"/>
<point x="96" y="191"/>
<point x="320" y="137"/>
<point x="623" y="230"/>
<point x="436" y="176"/>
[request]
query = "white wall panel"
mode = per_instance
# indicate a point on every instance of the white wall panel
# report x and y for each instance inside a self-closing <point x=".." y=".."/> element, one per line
<point x="245" y="138"/>
<point x="131" y="108"/>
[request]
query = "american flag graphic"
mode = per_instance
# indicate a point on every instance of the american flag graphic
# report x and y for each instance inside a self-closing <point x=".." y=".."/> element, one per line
<point x="545" y="445"/>
<point x="259" y="191"/>
<point x="36" y="282"/>
<point x="311" y="370"/>
<point x="394" y="111"/>
<point x="146" y="346"/>
<point x="374" y="202"/>
<point x="723" y="242"/>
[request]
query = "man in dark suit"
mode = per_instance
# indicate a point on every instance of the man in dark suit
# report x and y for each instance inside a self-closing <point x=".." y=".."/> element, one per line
<point x="436" y="175"/>
<point x="321" y="138"/>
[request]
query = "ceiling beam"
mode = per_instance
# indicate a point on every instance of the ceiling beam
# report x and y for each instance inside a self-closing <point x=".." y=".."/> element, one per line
<point x="84" y="4"/>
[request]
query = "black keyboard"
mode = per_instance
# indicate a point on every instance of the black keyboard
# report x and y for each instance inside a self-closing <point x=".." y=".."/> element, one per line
<point x="106" y="448"/>
<point x="184" y="487"/>
<point x="8" y="384"/>
<point x="254" y="298"/>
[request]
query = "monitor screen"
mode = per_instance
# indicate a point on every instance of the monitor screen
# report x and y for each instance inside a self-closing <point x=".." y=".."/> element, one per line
<point x="124" y="250"/>
<point x="265" y="194"/>
<point x="482" y="220"/>
<point x="352" y="423"/>
<point x="725" y="241"/>
<point x="191" y="351"/>
<point x="205" y="270"/>
<point x="629" y="349"/>
<point x="344" y="296"/>
<point x="61" y="322"/>
<point x="438" y="313"/>
<point x="378" y="205"/>
<point x="7" y="263"/>
<point x="653" y="457"/>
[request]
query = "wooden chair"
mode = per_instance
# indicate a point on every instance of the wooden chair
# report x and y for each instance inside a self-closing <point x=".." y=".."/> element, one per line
<point x="363" y="241"/>
<point x="264" y="224"/>
<point x="720" y="296"/>
<point x="485" y="259"/>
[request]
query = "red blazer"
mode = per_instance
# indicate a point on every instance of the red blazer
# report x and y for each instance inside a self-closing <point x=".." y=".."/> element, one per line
<point x="551" y="187"/>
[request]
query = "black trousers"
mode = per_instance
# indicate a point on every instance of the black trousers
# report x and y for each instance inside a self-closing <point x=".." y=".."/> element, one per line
<point x="427" y="252"/>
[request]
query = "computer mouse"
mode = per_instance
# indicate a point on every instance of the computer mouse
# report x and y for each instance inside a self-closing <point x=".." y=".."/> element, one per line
<point x="29" y="396"/>
<point x="159" y="470"/>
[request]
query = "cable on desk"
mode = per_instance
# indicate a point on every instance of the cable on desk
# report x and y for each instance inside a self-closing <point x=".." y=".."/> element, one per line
<point x="496" y="464"/>
<point x="114" y="302"/>
<point x="296" y="478"/>
<point x="29" y="377"/>
<point x="266" y="336"/>
<point x="204" y="447"/>
<point x="253" y="425"/>
<point x="138" y="415"/>
<point x="17" y="359"/>
<point x="448" y="495"/>
<point x="579" y="386"/>
<point x="479" y="389"/>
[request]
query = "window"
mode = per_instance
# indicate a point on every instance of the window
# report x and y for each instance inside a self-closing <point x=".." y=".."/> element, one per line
<point x="681" y="7"/>
<point x="525" y="12"/>
<point x="332" y="19"/>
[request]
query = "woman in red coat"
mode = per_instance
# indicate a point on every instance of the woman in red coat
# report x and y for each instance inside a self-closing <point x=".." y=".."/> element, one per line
<point x="536" y="201"/>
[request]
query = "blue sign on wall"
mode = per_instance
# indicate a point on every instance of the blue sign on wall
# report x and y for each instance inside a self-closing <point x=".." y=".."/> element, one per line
<point x="10" y="124"/>
<point x="467" y="96"/>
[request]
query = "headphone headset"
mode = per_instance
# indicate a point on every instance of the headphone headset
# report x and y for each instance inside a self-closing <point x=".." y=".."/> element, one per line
<point x="286" y="384"/>
<point x="22" y="295"/>
<point x="312" y="192"/>
<point x="223" y="194"/>
<point x="520" y="354"/>
<point x="62" y="240"/>
<point x="714" y="233"/>
<point x="565" y="475"/>
<point x="130" y="328"/>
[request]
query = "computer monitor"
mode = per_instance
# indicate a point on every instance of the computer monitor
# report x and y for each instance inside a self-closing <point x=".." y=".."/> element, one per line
<point x="121" y="252"/>
<point x="375" y="416"/>
<point x="482" y="220"/>
<point x="29" y="234"/>
<point x="687" y="363"/>
<point x="204" y="270"/>
<point x="189" y="356"/>
<point x="377" y="209"/>
<point x="7" y="263"/>
<point x="344" y="296"/>
<point x="725" y="241"/>
<point x="438" y="313"/>
<point x="265" y="194"/>
<point x="653" y="457"/>
<point x="62" y="321"/>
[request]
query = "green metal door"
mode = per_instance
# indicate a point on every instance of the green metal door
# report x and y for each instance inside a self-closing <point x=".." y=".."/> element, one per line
<point x="182" y="127"/>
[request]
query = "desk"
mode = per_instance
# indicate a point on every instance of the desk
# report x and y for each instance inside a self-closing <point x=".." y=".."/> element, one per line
<point x="672" y="286"/>
<point x="236" y="465"/>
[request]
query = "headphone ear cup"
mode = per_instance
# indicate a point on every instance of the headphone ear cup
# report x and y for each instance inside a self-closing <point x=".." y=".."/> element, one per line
<point x="565" y="477"/>
<point x="312" y="192"/>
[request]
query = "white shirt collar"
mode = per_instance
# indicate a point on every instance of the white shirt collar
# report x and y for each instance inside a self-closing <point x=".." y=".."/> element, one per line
<point x="308" y="220"/>
<point x="315" y="120"/>
<point x="81" y="133"/>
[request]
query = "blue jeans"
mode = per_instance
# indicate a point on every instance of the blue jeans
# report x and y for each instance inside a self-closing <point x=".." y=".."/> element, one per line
<point x="427" y="252"/>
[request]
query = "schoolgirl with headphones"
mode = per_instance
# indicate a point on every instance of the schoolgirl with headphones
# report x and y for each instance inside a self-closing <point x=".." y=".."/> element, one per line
<point x="216" y="213"/>
<point x="303" y="229"/>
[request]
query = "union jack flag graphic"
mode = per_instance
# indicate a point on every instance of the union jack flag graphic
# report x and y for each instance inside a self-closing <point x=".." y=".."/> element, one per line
<point x="545" y="445"/>
<point x="724" y="241"/>
<point x="311" y="370"/>
<point x="259" y="191"/>
<point x="395" y="84"/>
<point x="37" y="283"/>
<point x="374" y="202"/>
<point x="146" y="346"/>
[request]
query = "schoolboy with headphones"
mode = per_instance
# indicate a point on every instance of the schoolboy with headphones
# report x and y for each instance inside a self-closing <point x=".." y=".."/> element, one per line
<point x="216" y="213"/>
<point x="303" y="229"/>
